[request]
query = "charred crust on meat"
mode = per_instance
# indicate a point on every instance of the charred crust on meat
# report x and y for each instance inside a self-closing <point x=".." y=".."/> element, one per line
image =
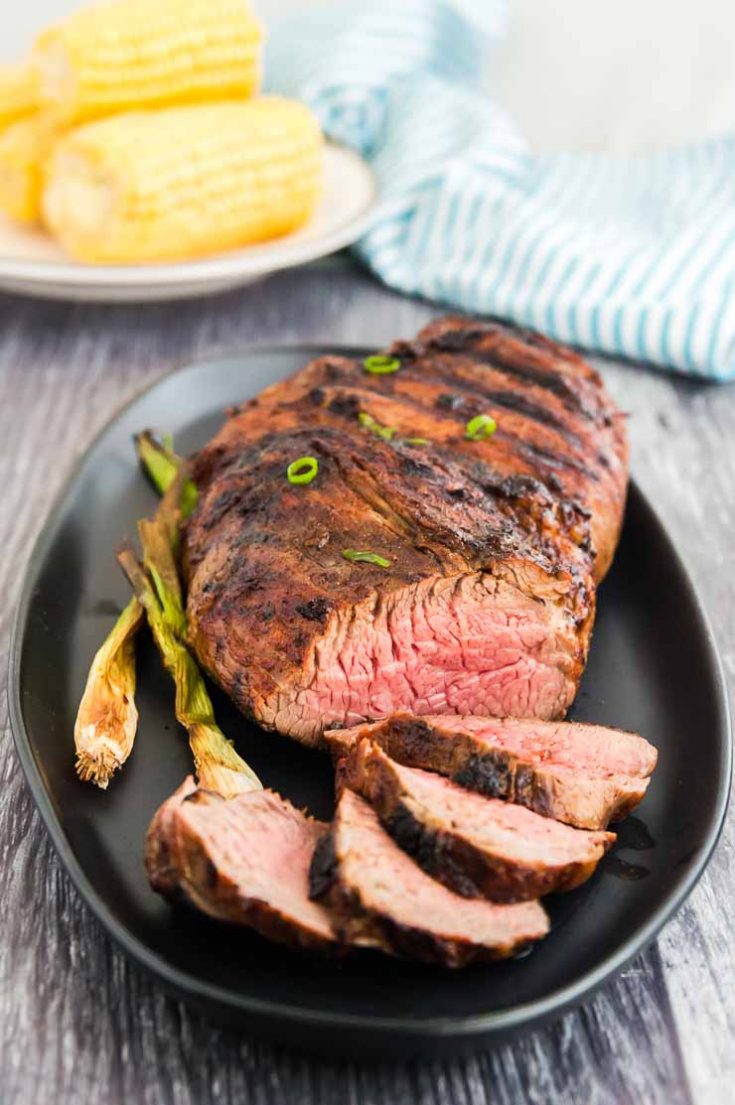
<point x="431" y="850"/>
<point x="405" y="350"/>
<point x="529" y="792"/>
<point x="324" y="868"/>
<point x="412" y="467"/>
<point x="298" y="643"/>
<point x="211" y="875"/>
<point x="513" y="487"/>
<point x="456" y="340"/>
<point x="415" y="736"/>
<point x="428" y="947"/>
<point x="556" y="460"/>
<point x="344" y="405"/>
<point x="333" y="370"/>
<point x="449" y="402"/>
<point x="354" y="918"/>
<point x="490" y="774"/>
<point x="315" y="610"/>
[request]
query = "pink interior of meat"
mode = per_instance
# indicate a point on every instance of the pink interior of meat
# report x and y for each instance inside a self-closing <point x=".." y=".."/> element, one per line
<point x="390" y="882"/>
<point x="265" y="846"/>
<point x="471" y="644"/>
<point x="516" y="831"/>
<point x="586" y="748"/>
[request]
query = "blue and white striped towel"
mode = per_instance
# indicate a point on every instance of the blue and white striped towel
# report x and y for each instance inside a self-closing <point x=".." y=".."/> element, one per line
<point x="630" y="256"/>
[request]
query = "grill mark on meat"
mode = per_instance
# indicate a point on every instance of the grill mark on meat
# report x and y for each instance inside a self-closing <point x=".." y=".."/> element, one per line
<point x="462" y="402"/>
<point x="541" y="462"/>
<point x="456" y="340"/>
<point x="540" y="377"/>
<point x="469" y="398"/>
<point x="463" y="398"/>
<point x="376" y="476"/>
<point x="463" y="407"/>
<point x="516" y="402"/>
<point x="550" y="459"/>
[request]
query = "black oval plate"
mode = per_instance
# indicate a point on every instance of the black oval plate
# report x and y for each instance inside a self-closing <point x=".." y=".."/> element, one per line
<point x="653" y="668"/>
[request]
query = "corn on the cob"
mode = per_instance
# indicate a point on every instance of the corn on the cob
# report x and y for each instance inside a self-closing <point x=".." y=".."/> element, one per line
<point x="185" y="181"/>
<point x="132" y="54"/>
<point x="18" y="91"/>
<point x="25" y="147"/>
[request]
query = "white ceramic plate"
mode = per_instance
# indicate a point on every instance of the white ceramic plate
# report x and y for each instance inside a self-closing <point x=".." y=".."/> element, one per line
<point x="31" y="263"/>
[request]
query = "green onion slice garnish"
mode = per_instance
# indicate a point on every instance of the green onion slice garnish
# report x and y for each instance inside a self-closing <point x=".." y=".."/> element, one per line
<point x="480" y="427"/>
<point x="416" y="441"/>
<point x="381" y="365"/>
<point x="365" y="558"/>
<point x="369" y="423"/>
<point x="302" y="470"/>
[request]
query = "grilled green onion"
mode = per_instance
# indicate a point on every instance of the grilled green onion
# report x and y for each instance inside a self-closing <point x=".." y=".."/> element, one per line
<point x="158" y="590"/>
<point x="161" y="464"/>
<point x="365" y="558"/>
<point x="381" y="364"/>
<point x="302" y="470"/>
<point x="369" y="423"/>
<point x="107" y="719"/>
<point x="159" y="537"/>
<point x="106" y="722"/>
<point x="480" y="427"/>
<point x="218" y="765"/>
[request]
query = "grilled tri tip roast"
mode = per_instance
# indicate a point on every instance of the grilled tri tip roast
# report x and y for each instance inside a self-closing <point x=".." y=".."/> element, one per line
<point x="479" y="473"/>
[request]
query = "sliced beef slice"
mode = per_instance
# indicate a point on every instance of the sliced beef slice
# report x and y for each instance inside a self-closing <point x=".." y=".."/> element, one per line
<point x="477" y="846"/>
<point x="375" y="891"/>
<point x="493" y="547"/>
<point x="584" y="775"/>
<point x="244" y="860"/>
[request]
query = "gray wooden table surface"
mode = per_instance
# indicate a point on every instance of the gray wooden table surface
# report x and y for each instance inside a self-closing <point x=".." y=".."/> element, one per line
<point x="79" y="1024"/>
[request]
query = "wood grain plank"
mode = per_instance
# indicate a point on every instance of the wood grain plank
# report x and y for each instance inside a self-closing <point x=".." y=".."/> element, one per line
<point x="78" y="1022"/>
<point x="684" y="437"/>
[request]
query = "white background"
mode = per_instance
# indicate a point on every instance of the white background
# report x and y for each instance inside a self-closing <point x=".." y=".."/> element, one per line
<point x="621" y="75"/>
